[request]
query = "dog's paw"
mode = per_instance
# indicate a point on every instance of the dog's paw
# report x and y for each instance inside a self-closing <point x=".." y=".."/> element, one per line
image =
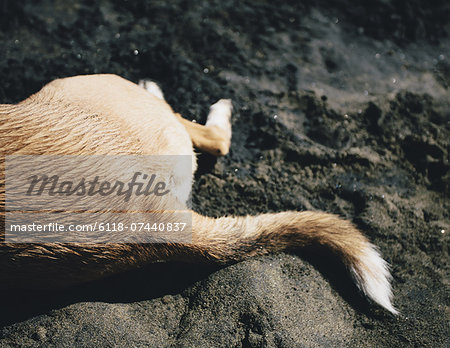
<point x="152" y="87"/>
<point x="220" y="115"/>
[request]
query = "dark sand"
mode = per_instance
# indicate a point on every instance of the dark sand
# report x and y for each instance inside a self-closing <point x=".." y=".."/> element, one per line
<point x="338" y="107"/>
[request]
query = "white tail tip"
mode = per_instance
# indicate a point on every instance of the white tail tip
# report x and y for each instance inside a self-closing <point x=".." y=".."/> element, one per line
<point x="373" y="277"/>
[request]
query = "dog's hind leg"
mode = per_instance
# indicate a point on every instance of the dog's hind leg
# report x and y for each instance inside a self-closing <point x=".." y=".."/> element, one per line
<point x="215" y="136"/>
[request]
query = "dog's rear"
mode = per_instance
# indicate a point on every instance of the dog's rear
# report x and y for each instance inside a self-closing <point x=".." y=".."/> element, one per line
<point x="107" y="115"/>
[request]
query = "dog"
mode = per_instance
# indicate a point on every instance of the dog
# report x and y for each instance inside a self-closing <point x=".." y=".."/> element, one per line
<point x="107" y="115"/>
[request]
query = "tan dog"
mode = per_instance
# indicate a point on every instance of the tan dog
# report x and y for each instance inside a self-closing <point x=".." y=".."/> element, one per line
<point x="107" y="115"/>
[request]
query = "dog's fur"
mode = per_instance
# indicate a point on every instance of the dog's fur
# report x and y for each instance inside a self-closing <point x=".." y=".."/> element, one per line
<point x="107" y="115"/>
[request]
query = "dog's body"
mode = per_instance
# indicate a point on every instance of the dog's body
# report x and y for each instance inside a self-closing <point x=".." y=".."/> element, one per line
<point x="107" y="115"/>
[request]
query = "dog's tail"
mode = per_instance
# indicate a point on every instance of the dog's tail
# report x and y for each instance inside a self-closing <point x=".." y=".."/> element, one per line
<point x="221" y="240"/>
<point x="235" y="238"/>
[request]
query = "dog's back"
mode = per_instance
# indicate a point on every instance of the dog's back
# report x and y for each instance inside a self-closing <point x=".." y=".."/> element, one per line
<point x="94" y="114"/>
